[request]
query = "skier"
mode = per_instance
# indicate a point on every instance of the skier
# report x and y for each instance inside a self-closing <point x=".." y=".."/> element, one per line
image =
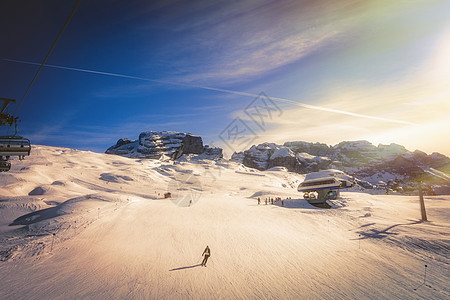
<point x="206" y="253"/>
<point x="259" y="200"/>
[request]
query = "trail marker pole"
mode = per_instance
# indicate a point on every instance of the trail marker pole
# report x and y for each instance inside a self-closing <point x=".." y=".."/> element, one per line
<point x="422" y="204"/>
<point x="98" y="217"/>
<point x="425" y="275"/>
<point x="424" y="279"/>
<point x="53" y="239"/>
<point x="359" y="241"/>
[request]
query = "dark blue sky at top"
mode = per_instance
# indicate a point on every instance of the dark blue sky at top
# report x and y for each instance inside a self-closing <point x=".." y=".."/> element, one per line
<point x="88" y="111"/>
<point x="292" y="49"/>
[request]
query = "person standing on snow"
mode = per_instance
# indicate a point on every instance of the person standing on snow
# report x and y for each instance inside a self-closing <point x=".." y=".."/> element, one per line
<point x="207" y="254"/>
<point x="259" y="200"/>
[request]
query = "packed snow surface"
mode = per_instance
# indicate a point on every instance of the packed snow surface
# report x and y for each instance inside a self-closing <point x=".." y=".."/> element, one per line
<point x="98" y="227"/>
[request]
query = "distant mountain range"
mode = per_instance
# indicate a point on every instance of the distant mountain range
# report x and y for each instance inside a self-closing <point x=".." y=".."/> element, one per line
<point x="391" y="166"/>
<point x="383" y="166"/>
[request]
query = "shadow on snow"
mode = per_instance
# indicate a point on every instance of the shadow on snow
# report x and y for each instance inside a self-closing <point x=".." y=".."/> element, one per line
<point x="184" y="268"/>
<point x="379" y="234"/>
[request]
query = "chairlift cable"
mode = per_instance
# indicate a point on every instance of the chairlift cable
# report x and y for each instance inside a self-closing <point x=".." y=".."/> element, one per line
<point x="48" y="54"/>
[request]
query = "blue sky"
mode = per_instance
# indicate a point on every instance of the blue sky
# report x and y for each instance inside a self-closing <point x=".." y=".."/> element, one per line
<point x="374" y="70"/>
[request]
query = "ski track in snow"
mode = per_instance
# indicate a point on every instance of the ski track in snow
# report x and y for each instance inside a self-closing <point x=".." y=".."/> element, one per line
<point x="111" y="234"/>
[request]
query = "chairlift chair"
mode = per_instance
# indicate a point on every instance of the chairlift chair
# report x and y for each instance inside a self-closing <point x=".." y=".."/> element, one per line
<point x="14" y="146"/>
<point x="5" y="165"/>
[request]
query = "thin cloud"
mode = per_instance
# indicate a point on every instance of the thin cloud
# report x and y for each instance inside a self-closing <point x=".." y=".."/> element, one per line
<point x="237" y="41"/>
<point x="258" y="62"/>
<point x="289" y="101"/>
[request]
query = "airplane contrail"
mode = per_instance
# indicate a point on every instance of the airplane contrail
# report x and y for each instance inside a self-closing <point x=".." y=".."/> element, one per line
<point x="304" y="105"/>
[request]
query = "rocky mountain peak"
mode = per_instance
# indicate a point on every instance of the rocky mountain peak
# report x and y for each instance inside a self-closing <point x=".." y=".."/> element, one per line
<point x="159" y="144"/>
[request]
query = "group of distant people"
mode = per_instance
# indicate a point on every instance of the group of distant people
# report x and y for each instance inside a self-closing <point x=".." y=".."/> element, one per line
<point x="272" y="200"/>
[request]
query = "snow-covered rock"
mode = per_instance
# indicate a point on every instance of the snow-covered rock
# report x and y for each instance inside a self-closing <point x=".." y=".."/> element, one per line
<point x="281" y="153"/>
<point x="237" y="157"/>
<point x="278" y="169"/>
<point x="316" y="149"/>
<point x="268" y="155"/>
<point x="284" y="157"/>
<point x="355" y="153"/>
<point x="159" y="144"/>
<point x="258" y="156"/>
<point x="313" y="163"/>
<point x="123" y="147"/>
<point x="391" y="150"/>
<point x="213" y="152"/>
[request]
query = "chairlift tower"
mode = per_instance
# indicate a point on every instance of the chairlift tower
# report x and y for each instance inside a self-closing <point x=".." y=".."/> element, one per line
<point x="422" y="203"/>
<point x="6" y="119"/>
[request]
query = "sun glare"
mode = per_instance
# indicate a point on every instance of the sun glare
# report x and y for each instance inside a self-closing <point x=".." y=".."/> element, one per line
<point x="440" y="60"/>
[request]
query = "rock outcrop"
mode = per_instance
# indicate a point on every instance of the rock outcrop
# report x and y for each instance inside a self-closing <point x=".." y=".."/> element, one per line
<point x="123" y="147"/>
<point x="237" y="157"/>
<point x="268" y="155"/>
<point x="284" y="157"/>
<point x="363" y="153"/>
<point x="316" y="149"/>
<point x="158" y="144"/>
<point x="212" y="152"/>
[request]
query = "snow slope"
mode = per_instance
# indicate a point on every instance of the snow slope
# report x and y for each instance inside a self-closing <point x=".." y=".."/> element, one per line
<point x="100" y="228"/>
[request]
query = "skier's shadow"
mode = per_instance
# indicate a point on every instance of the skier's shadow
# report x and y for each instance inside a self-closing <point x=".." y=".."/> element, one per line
<point x="188" y="267"/>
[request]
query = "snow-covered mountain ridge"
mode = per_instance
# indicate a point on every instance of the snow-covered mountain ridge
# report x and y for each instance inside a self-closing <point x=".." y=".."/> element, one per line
<point x="358" y="158"/>
<point x="383" y="166"/>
